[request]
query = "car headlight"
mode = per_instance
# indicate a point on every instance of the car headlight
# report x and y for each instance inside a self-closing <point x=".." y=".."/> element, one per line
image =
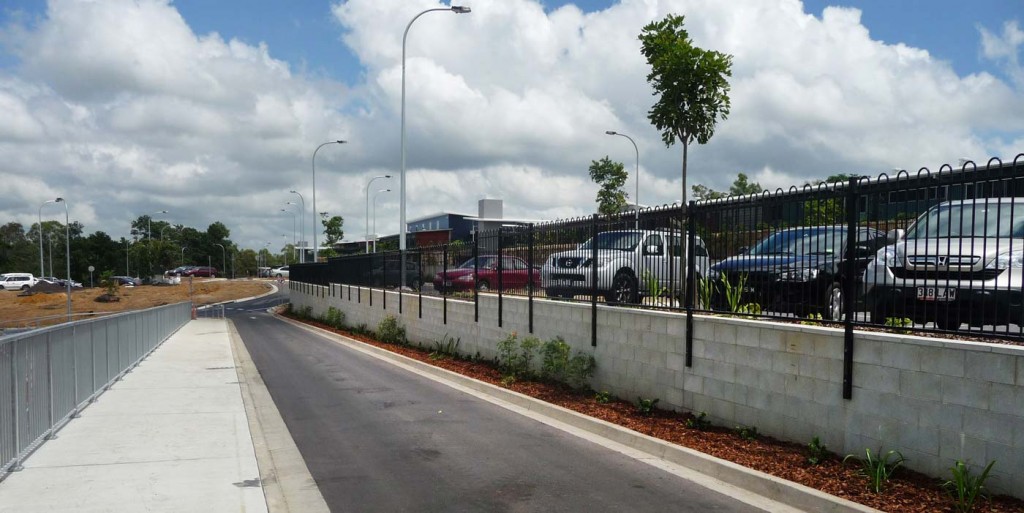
<point x="798" y="274"/>
<point x="1011" y="259"/>
<point x="885" y="257"/>
<point x="465" y="277"/>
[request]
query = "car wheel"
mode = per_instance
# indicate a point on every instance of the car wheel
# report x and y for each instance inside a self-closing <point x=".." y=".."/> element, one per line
<point x="415" y="284"/>
<point x="834" y="308"/>
<point x="483" y="286"/>
<point x="24" y="287"/>
<point x="279" y="275"/>
<point x="623" y="289"/>
<point x="948" y="322"/>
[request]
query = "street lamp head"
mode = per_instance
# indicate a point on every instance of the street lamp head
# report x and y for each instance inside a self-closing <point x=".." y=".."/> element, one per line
<point x="293" y="192"/>
<point x="387" y="176"/>
<point x="340" y="141"/>
<point x="59" y="200"/>
<point x="460" y="9"/>
<point x="611" y="132"/>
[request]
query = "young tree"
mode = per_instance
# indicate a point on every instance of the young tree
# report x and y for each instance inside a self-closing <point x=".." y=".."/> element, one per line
<point x="611" y="177"/>
<point x="742" y="186"/>
<point x="333" y="232"/>
<point x="691" y="84"/>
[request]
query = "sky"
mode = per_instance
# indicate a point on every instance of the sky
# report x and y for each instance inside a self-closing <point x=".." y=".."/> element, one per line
<point x="212" y="110"/>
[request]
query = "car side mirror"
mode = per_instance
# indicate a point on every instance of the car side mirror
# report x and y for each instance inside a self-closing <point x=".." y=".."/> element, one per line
<point x="895" y="235"/>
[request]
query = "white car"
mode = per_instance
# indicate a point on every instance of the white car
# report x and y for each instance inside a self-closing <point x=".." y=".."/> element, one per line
<point x="17" y="281"/>
<point x="279" y="272"/>
<point x="630" y="263"/>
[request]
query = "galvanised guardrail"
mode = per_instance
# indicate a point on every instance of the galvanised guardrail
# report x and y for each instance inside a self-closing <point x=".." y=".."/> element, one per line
<point x="48" y="375"/>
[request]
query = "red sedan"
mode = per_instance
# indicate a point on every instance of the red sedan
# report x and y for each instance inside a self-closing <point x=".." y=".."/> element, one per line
<point x="515" y="274"/>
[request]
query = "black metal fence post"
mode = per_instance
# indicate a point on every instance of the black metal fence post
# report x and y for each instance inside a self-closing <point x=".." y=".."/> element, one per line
<point x="849" y="286"/>
<point x="689" y="279"/>
<point x="404" y="272"/>
<point x="476" y="275"/>
<point x="419" y="290"/>
<point x="593" y="281"/>
<point x="529" y="286"/>
<point x="444" y="280"/>
<point x="501" y="270"/>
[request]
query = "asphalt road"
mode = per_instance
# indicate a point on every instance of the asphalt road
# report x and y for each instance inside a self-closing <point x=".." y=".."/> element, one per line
<point x="379" y="438"/>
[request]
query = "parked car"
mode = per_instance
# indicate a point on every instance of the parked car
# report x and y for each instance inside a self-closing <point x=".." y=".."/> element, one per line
<point x="389" y="273"/>
<point x="59" y="281"/>
<point x="797" y="270"/>
<point x="629" y="264"/>
<point x="179" y="271"/>
<point x="960" y="262"/>
<point x="201" y="271"/>
<point x="279" y="272"/>
<point x="127" y="281"/>
<point x="514" y="272"/>
<point x="17" y="281"/>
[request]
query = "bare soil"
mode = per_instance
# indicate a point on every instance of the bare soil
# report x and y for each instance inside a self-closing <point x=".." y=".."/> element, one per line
<point x="907" y="491"/>
<point x="46" y="304"/>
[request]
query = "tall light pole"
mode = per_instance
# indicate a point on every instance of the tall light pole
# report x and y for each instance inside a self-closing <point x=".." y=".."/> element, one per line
<point x="149" y="223"/>
<point x="183" y="248"/>
<point x="375" y="217"/>
<point x="457" y="9"/>
<point x="223" y="257"/>
<point x="293" y="222"/>
<point x="67" y="252"/>
<point x="368" y="213"/>
<point x="636" y="198"/>
<point x="285" y="237"/>
<point x="315" y="246"/>
<point x="302" y="225"/>
<point x="42" y="270"/>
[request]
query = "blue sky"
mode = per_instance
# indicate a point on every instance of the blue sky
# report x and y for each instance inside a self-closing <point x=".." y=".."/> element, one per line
<point x="129" y="106"/>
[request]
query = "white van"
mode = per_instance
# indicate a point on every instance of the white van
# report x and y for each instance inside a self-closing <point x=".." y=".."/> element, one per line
<point x="17" y="281"/>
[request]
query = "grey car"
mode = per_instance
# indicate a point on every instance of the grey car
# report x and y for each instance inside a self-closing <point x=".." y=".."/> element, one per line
<point x="960" y="262"/>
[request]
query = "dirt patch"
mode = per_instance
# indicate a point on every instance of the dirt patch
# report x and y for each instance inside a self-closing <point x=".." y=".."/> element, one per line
<point x="39" y="308"/>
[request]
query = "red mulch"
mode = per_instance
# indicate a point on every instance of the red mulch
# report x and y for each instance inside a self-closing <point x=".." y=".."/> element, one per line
<point x="907" y="491"/>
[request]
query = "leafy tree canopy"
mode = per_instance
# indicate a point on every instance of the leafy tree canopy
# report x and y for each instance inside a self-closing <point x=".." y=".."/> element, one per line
<point x="611" y="178"/>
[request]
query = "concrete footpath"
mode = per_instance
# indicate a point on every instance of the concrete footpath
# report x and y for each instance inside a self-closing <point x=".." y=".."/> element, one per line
<point x="173" y="435"/>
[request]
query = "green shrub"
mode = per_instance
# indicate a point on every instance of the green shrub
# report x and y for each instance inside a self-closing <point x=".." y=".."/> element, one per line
<point x="747" y="432"/>
<point x="965" y="489"/>
<point x="698" y="422"/>
<point x="306" y="312"/>
<point x="816" y="451"/>
<point x="334" y="318"/>
<point x="579" y="370"/>
<point x="878" y="468"/>
<point x="447" y="347"/>
<point x="603" y="397"/>
<point x="390" y="331"/>
<point x="555" y="358"/>
<point x="508" y="348"/>
<point x="527" y="347"/>
<point x="645" y="407"/>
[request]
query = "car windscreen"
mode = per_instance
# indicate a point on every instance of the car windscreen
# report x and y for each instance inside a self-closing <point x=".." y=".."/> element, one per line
<point x="624" y="241"/>
<point x="800" y="242"/>
<point x="990" y="219"/>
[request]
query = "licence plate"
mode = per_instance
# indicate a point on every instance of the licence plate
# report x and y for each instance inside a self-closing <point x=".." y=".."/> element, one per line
<point x="447" y="284"/>
<point x="936" y="294"/>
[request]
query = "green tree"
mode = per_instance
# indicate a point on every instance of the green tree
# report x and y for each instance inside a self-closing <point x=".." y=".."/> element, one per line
<point x="611" y="178"/>
<point x="742" y="186"/>
<point x="333" y="232"/>
<point x="691" y="84"/>
<point x="827" y="211"/>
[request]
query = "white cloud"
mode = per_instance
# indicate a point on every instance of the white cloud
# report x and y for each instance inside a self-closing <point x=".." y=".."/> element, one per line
<point x="122" y="107"/>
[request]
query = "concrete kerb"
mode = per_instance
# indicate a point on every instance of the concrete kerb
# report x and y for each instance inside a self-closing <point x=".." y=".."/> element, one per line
<point x="765" y="485"/>
<point x="287" y="483"/>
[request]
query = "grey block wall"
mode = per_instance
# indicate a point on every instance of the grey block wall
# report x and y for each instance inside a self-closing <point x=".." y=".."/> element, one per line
<point x="934" y="400"/>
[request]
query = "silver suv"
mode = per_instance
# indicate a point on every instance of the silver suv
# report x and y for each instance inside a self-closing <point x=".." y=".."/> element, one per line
<point x="960" y="262"/>
<point x="630" y="263"/>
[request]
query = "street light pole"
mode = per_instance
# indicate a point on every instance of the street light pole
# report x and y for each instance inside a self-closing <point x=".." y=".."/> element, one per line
<point x="42" y="270"/>
<point x="315" y="245"/>
<point x="375" y="217"/>
<point x="457" y="9"/>
<point x="149" y="223"/>
<point x="67" y="252"/>
<point x="636" y="198"/>
<point x="183" y="248"/>
<point x="367" y="218"/>
<point x="223" y="257"/>
<point x="302" y="225"/>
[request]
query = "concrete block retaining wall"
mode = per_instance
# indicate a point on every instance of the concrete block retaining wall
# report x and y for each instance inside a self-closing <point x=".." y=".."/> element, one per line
<point x="934" y="400"/>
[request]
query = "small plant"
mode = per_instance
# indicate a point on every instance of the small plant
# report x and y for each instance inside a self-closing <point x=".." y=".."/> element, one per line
<point x="878" y="468"/>
<point x="650" y="281"/>
<point x="109" y="283"/>
<point x="705" y="292"/>
<point x="747" y="432"/>
<point x="965" y="489"/>
<point x="508" y="380"/>
<point x="390" y="331"/>
<point x="603" y="397"/>
<point x="334" y="318"/>
<point x="733" y="293"/>
<point x="554" y="358"/>
<point x="306" y="312"/>
<point x="645" y="407"/>
<point x="899" y="322"/>
<point x="812" y="319"/>
<point x="816" y="451"/>
<point x="447" y="347"/>
<point x="527" y="347"/>
<point x="698" y="421"/>
<point x="579" y="370"/>
<point x="507" y="352"/>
